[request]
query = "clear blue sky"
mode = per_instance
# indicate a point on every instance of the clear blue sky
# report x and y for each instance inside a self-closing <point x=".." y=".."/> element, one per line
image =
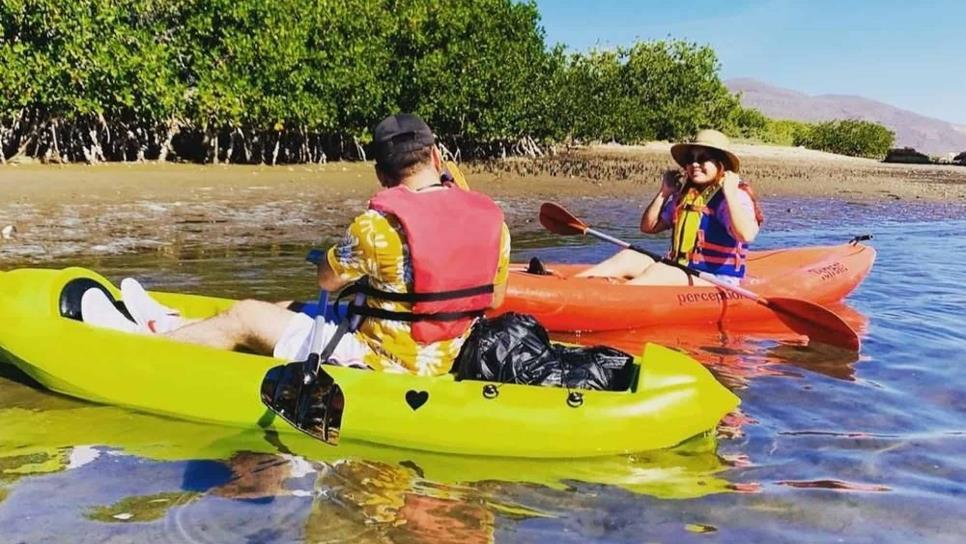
<point x="909" y="54"/>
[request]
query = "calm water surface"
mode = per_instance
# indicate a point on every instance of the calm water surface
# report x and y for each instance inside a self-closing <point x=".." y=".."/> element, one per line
<point x="824" y="448"/>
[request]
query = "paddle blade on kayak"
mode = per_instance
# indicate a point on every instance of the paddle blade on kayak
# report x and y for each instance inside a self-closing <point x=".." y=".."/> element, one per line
<point x="557" y="220"/>
<point x="818" y="323"/>
<point x="456" y="175"/>
<point x="312" y="406"/>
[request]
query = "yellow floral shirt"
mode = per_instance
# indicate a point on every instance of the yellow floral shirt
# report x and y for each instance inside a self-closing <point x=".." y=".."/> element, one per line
<point x="374" y="245"/>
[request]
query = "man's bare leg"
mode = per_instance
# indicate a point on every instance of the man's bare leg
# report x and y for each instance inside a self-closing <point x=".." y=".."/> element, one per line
<point x="251" y="324"/>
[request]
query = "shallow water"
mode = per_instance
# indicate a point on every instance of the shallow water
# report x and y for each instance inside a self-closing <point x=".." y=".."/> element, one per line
<point x="824" y="448"/>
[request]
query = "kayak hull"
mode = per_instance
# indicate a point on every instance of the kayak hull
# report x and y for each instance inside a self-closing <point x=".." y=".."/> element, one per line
<point x="820" y="274"/>
<point x="672" y="399"/>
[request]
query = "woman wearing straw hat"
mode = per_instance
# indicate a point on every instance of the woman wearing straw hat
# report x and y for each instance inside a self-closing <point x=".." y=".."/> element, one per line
<point x="713" y="216"/>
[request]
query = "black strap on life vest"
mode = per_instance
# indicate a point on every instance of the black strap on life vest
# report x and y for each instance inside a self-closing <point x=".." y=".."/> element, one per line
<point x="379" y="313"/>
<point x="371" y="292"/>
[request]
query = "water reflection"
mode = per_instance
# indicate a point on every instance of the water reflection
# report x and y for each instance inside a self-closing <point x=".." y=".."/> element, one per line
<point x="740" y="352"/>
<point x="393" y="502"/>
<point x="317" y="492"/>
<point x="824" y="446"/>
<point x="45" y="432"/>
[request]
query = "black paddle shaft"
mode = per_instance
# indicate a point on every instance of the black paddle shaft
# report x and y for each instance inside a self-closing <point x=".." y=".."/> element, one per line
<point x="639" y="249"/>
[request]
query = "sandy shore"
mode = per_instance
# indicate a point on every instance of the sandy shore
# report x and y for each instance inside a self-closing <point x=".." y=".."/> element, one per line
<point x="773" y="170"/>
<point x="59" y="210"/>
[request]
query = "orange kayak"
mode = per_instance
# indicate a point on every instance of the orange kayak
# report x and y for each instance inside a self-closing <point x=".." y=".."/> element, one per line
<point x="821" y="274"/>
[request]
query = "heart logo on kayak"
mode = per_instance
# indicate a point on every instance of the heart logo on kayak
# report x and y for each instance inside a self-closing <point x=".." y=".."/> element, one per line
<point x="415" y="399"/>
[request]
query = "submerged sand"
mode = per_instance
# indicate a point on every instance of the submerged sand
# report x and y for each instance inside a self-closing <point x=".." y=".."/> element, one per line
<point x="62" y="210"/>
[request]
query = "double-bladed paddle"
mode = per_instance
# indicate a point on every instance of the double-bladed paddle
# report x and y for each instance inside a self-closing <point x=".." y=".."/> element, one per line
<point x="302" y="392"/>
<point x="802" y="316"/>
<point x="456" y="175"/>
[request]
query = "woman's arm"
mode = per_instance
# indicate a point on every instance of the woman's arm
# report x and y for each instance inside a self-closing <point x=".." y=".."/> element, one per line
<point x="743" y="223"/>
<point x="651" y="218"/>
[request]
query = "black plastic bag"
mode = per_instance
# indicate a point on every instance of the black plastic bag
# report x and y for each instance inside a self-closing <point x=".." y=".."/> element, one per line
<point x="514" y="348"/>
<point x="598" y="367"/>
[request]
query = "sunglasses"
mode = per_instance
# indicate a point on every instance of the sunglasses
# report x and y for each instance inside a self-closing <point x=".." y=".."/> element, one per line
<point x="699" y="157"/>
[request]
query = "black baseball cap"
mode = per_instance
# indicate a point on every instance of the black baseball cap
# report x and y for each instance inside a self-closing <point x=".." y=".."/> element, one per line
<point x="400" y="133"/>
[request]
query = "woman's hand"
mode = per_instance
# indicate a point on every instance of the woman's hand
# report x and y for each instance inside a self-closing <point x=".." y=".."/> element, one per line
<point x="651" y="218"/>
<point x="670" y="182"/>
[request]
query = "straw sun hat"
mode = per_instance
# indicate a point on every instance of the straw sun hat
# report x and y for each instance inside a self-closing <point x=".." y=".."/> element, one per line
<point x="707" y="139"/>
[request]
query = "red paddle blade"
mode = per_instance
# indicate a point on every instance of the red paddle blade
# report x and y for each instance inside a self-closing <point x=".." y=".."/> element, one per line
<point x="816" y="322"/>
<point x="557" y="220"/>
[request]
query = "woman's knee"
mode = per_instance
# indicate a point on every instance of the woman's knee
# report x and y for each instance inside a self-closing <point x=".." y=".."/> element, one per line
<point x="661" y="274"/>
<point x="632" y="261"/>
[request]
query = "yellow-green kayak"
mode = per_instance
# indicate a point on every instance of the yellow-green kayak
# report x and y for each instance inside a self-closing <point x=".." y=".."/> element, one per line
<point x="671" y="398"/>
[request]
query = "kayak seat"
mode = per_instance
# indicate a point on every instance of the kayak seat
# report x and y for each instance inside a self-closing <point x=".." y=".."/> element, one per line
<point x="70" y="298"/>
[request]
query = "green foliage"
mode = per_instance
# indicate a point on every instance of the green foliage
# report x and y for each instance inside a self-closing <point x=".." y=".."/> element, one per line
<point x="299" y="80"/>
<point x="784" y="131"/>
<point x="292" y="70"/>
<point x="662" y="89"/>
<point x="268" y="65"/>
<point x="468" y="66"/>
<point x="82" y="58"/>
<point x="848" y="137"/>
<point x="751" y="124"/>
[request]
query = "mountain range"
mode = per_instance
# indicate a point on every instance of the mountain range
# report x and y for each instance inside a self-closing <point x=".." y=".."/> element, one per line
<point x="925" y="134"/>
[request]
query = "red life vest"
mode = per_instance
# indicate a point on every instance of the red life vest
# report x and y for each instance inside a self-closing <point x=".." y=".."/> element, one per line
<point x="453" y="238"/>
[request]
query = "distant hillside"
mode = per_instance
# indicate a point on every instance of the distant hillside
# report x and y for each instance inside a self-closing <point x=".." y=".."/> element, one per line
<point x="926" y="134"/>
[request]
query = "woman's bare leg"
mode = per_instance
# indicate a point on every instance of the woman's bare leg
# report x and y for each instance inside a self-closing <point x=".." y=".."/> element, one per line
<point x="624" y="264"/>
<point x="251" y="324"/>
<point x="664" y="274"/>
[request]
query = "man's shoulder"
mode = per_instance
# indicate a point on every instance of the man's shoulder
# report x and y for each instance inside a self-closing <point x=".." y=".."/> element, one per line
<point x="375" y="225"/>
<point x="370" y="217"/>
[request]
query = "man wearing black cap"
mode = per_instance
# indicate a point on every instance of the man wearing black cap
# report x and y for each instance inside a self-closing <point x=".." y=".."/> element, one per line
<point x="435" y="256"/>
<point x="402" y="141"/>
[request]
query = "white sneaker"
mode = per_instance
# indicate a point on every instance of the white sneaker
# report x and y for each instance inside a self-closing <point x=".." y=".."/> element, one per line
<point x="98" y="310"/>
<point x="146" y="311"/>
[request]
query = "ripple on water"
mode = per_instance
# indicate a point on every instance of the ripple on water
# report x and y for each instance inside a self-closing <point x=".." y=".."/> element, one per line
<point x="823" y="447"/>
